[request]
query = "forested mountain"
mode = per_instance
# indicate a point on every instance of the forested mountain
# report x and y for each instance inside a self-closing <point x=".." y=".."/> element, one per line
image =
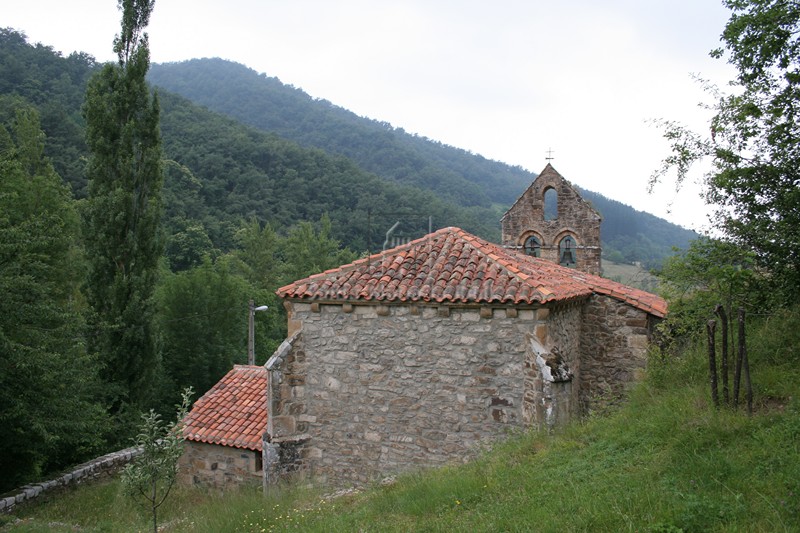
<point x="633" y="236"/>
<point x="453" y="174"/>
<point x="220" y="172"/>
<point x="264" y="102"/>
<point x="224" y="172"/>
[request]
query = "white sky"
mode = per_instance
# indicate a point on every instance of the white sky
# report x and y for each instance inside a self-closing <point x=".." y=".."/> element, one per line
<point x="507" y="79"/>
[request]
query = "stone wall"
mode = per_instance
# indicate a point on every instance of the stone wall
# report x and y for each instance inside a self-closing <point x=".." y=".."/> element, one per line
<point x="104" y="466"/>
<point x="376" y="389"/>
<point x="287" y="454"/>
<point x="613" y="349"/>
<point x="219" y="467"/>
<point x="552" y="363"/>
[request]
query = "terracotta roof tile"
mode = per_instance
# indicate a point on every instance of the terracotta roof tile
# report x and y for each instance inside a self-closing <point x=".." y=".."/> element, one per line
<point x="233" y="412"/>
<point x="450" y="265"/>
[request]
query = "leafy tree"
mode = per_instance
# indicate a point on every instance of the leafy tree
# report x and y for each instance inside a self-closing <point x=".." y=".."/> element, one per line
<point x="123" y="212"/>
<point x="256" y="253"/>
<point x="46" y="379"/>
<point x="754" y="138"/>
<point x="710" y="272"/>
<point x="189" y="245"/>
<point x="202" y="324"/>
<point x="309" y="249"/>
<point x="258" y="259"/>
<point x="152" y="474"/>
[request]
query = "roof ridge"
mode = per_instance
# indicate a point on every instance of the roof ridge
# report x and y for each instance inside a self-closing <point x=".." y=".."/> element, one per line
<point x="452" y="265"/>
<point x="370" y="259"/>
<point x="507" y="263"/>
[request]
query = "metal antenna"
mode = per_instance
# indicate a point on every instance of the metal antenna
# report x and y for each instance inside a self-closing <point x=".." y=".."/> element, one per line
<point x="389" y="234"/>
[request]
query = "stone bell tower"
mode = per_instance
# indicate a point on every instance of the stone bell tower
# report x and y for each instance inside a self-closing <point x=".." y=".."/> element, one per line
<point x="550" y="220"/>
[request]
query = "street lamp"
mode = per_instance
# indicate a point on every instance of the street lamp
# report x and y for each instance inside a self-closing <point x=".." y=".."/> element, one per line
<point x="251" y="351"/>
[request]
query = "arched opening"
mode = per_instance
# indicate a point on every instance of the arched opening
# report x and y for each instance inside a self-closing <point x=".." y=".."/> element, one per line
<point x="550" y="204"/>
<point x="532" y="246"/>
<point x="566" y="252"/>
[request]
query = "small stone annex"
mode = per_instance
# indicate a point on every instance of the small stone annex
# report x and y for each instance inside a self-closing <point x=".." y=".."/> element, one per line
<point x="224" y="431"/>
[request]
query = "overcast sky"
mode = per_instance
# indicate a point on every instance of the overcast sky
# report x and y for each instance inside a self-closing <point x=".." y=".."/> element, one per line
<point x="509" y="80"/>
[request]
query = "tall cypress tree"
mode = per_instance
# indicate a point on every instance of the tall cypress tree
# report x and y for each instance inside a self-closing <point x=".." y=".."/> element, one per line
<point x="123" y="212"/>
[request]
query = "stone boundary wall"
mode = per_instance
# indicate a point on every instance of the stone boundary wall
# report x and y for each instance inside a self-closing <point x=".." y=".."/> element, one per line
<point x="104" y="466"/>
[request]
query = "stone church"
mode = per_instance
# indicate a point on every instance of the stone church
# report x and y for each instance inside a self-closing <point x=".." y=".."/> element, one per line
<point x="419" y="355"/>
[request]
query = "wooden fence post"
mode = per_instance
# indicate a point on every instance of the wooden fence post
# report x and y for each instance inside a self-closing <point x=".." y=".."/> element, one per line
<point x="711" y="326"/>
<point x="723" y="318"/>
<point x="745" y="363"/>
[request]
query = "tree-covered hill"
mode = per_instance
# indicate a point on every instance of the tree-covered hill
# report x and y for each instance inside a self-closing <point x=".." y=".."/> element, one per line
<point x="633" y="236"/>
<point x="56" y="86"/>
<point x="453" y="174"/>
<point x="226" y="172"/>
<point x="264" y="102"/>
<point x="313" y="158"/>
<point x="221" y="172"/>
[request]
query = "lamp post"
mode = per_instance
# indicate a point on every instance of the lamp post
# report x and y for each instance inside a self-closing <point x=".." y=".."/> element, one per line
<point x="251" y="351"/>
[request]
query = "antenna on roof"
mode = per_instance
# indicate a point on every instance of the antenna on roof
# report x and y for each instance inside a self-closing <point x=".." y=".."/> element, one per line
<point x="389" y="234"/>
<point x="549" y="155"/>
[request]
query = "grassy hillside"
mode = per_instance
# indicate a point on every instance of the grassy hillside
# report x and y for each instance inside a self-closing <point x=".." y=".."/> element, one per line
<point x="666" y="461"/>
<point x="631" y="275"/>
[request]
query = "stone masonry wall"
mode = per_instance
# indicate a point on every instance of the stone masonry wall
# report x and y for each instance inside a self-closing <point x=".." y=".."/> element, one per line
<point x="287" y="451"/>
<point x="564" y="330"/>
<point x="378" y="389"/>
<point x="613" y="349"/>
<point x="218" y="467"/>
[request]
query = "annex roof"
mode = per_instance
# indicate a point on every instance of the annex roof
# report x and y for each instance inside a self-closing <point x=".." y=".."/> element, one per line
<point x="233" y="412"/>
<point x="451" y="265"/>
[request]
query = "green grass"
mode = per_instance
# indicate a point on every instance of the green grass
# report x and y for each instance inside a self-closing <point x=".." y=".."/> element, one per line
<point x="666" y="461"/>
<point x="631" y="275"/>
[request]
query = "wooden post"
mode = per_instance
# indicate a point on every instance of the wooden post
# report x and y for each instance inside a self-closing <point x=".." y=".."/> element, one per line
<point x="723" y="318"/>
<point x="745" y="362"/>
<point x="737" y="374"/>
<point x="711" y="326"/>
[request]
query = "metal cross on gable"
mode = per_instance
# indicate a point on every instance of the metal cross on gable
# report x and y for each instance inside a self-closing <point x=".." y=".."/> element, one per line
<point x="549" y="154"/>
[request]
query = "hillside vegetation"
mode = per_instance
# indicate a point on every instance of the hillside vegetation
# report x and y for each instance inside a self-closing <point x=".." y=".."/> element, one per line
<point x="316" y="158"/>
<point x="454" y="175"/>
<point x="665" y="461"/>
<point x="269" y="105"/>
<point x="221" y="172"/>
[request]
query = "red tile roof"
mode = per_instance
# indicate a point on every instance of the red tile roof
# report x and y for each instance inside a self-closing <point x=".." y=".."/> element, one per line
<point x="233" y="412"/>
<point x="451" y="265"/>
